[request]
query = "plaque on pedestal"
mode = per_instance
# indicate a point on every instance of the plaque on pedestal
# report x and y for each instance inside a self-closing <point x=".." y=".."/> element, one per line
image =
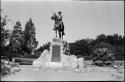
<point x="56" y="53"/>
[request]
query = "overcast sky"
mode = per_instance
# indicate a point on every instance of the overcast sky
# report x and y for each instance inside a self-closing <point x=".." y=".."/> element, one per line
<point x="82" y="19"/>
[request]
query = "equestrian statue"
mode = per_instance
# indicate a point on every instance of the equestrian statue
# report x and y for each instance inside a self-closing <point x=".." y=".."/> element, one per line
<point x="58" y="25"/>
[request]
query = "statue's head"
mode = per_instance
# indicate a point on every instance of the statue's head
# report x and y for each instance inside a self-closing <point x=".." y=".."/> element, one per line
<point x="59" y="12"/>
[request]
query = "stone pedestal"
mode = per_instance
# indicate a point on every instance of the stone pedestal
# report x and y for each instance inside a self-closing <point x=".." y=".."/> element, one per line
<point x="55" y="58"/>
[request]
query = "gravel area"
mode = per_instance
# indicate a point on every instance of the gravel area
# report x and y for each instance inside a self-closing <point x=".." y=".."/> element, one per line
<point x="93" y="73"/>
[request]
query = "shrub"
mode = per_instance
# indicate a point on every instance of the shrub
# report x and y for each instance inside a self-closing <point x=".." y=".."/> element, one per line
<point x="8" y="68"/>
<point x="103" y="57"/>
<point x="5" y="69"/>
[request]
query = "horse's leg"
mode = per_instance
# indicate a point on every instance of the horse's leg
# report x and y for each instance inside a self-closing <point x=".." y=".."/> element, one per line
<point x="62" y="35"/>
<point x="56" y="33"/>
<point x="62" y="32"/>
<point x="63" y="29"/>
<point x="59" y="33"/>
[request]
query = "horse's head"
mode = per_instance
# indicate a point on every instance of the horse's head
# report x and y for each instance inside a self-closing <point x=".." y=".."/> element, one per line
<point x="54" y="16"/>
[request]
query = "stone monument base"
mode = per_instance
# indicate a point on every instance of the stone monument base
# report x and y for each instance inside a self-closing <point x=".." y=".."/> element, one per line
<point x="55" y="58"/>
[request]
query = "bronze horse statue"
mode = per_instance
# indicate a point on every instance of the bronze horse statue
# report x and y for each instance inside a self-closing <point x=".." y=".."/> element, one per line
<point x="57" y="26"/>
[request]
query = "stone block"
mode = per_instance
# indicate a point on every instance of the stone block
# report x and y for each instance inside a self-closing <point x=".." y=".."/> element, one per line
<point x="66" y="64"/>
<point x="56" y="43"/>
<point x="37" y="63"/>
<point x="53" y="64"/>
<point x="80" y="63"/>
<point x="58" y="40"/>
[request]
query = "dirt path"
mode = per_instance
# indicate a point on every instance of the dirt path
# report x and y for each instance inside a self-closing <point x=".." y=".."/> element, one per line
<point x="28" y="73"/>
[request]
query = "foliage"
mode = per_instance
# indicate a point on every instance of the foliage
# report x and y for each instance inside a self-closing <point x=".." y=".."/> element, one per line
<point x="4" y="33"/>
<point x="23" y="42"/>
<point x="42" y="48"/>
<point x="38" y="51"/>
<point x="85" y="47"/>
<point x="16" y="40"/>
<point x="35" y="55"/>
<point x="5" y="70"/>
<point x="117" y="42"/>
<point x="46" y="46"/>
<point x="102" y="56"/>
<point x="8" y="68"/>
<point x="104" y="45"/>
<point x="66" y="49"/>
<point x="101" y="38"/>
<point x="80" y="47"/>
<point x="4" y="36"/>
<point x="119" y="51"/>
<point x="30" y="42"/>
<point x="5" y="52"/>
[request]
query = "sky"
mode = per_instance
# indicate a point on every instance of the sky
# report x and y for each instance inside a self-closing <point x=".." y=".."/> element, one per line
<point x="82" y="19"/>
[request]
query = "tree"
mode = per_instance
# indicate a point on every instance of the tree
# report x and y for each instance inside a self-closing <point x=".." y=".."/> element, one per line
<point x="30" y="42"/>
<point x="120" y="40"/>
<point x="110" y="39"/>
<point x="4" y="32"/>
<point x="45" y="46"/>
<point x="80" y="47"/>
<point x="101" y="38"/>
<point x="4" y="35"/>
<point x="16" y="40"/>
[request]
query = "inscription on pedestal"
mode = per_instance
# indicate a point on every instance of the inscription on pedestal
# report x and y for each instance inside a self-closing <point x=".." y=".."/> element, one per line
<point x="56" y="53"/>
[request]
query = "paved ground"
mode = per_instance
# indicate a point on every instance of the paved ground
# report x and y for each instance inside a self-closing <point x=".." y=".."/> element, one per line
<point x="90" y="73"/>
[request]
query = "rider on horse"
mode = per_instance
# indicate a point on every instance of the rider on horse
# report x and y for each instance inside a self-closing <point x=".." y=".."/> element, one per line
<point x="59" y="21"/>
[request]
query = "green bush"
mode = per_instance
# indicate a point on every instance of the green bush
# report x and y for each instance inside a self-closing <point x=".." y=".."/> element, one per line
<point x="103" y="57"/>
<point x="5" y="69"/>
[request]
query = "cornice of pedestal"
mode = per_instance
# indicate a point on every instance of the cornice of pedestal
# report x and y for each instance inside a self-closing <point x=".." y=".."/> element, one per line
<point x="57" y="43"/>
<point x="58" y="40"/>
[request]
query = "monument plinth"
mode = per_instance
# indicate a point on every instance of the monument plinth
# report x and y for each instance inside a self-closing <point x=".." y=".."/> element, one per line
<point x="55" y="58"/>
